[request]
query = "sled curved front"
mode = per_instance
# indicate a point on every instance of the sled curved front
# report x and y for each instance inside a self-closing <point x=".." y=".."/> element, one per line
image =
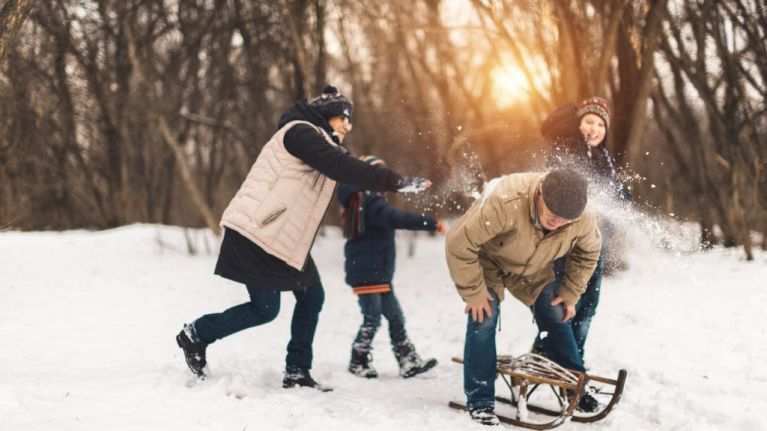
<point x="614" y="399"/>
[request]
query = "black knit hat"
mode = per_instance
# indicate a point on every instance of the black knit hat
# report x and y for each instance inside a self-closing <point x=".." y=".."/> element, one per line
<point x="331" y="104"/>
<point x="565" y="193"/>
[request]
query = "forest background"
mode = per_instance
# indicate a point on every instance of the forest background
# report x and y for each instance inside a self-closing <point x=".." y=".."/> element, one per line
<point x="122" y="111"/>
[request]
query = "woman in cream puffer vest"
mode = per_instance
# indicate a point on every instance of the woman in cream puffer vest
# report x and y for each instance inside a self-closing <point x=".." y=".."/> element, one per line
<point x="271" y="223"/>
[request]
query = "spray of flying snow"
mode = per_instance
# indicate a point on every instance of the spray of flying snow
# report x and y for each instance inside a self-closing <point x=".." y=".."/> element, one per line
<point x="633" y="227"/>
<point x="463" y="184"/>
<point x="489" y="188"/>
<point x="417" y="187"/>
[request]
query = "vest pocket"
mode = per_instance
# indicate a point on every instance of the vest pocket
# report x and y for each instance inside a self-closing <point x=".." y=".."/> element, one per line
<point x="267" y="217"/>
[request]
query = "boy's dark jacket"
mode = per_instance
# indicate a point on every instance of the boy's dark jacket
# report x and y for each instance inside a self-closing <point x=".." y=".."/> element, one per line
<point x="370" y="255"/>
<point x="562" y="132"/>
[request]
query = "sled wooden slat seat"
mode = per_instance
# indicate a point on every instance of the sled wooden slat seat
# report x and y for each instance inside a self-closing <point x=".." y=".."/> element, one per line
<point x="503" y="368"/>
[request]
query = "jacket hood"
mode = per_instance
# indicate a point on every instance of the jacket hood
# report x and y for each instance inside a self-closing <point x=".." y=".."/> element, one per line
<point x="301" y="111"/>
<point x="344" y="192"/>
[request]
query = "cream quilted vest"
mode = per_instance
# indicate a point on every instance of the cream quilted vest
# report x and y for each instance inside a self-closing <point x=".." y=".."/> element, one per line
<point x="281" y="202"/>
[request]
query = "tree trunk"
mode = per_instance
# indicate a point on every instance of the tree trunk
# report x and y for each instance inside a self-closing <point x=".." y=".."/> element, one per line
<point x="636" y="87"/>
<point x="320" y="66"/>
<point x="611" y="41"/>
<point x="12" y="16"/>
<point x="186" y="175"/>
<point x="297" y="25"/>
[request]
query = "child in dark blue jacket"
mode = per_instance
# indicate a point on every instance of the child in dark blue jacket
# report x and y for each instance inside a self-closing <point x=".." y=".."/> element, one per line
<point x="369" y="224"/>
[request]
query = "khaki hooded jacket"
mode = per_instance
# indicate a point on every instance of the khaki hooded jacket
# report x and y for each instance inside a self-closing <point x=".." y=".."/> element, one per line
<point x="498" y="244"/>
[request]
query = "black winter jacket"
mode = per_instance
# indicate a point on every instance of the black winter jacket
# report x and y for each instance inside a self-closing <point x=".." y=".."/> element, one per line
<point x="568" y="146"/>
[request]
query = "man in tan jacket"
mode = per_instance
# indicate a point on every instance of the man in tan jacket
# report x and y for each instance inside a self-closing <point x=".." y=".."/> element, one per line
<point x="509" y="239"/>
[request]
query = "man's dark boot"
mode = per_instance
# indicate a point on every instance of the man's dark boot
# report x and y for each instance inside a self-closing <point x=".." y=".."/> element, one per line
<point x="410" y="364"/>
<point x="537" y="349"/>
<point x="361" y="364"/>
<point x="300" y="377"/>
<point x="586" y="404"/>
<point x="193" y="353"/>
<point x="485" y="416"/>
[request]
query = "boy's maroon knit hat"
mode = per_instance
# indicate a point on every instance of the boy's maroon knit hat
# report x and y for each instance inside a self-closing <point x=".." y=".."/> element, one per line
<point x="594" y="105"/>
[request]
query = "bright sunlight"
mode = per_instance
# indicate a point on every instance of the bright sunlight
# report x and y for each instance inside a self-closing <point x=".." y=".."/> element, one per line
<point x="510" y="86"/>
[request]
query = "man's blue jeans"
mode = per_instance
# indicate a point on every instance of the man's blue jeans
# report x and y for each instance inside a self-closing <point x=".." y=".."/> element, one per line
<point x="263" y="307"/>
<point x="564" y="343"/>
<point x="372" y="306"/>
<point x="479" y="358"/>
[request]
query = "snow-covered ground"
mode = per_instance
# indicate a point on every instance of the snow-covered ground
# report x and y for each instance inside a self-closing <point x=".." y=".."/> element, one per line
<point x="88" y="319"/>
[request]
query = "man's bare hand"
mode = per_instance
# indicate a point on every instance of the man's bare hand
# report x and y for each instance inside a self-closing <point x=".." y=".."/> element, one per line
<point x="479" y="309"/>
<point x="569" y="309"/>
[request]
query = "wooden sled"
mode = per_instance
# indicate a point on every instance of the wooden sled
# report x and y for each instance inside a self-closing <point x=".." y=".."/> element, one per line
<point x="527" y="378"/>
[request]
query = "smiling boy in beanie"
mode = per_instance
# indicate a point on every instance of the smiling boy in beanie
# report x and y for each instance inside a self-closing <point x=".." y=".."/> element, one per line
<point x="508" y="240"/>
<point x="577" y="135"/>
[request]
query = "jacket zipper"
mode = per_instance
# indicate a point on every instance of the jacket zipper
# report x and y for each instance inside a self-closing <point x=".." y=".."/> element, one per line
<point x="330" y="201"/>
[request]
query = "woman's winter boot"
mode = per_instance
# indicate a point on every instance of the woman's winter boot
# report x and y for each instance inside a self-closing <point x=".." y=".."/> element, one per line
<point x="300" y="377"/>
<point x="194" y="353"/>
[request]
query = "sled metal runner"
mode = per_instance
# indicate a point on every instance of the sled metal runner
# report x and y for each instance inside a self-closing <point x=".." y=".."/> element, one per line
<point x="526" y="374"/>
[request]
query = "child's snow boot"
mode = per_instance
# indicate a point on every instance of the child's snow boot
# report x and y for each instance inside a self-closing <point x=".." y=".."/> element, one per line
<point x="410" y="363"/>
<point x="361" y="364"/>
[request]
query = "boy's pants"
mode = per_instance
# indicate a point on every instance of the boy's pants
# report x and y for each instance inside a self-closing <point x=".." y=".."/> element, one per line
<point x="372" y="306"/>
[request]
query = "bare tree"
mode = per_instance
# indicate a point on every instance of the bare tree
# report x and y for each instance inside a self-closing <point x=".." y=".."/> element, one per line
<point x="714" y="51"/>
<point x="152" y="111"/>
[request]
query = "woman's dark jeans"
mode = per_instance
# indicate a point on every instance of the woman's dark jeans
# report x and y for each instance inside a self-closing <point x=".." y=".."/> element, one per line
<point x="263" y="307"/>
